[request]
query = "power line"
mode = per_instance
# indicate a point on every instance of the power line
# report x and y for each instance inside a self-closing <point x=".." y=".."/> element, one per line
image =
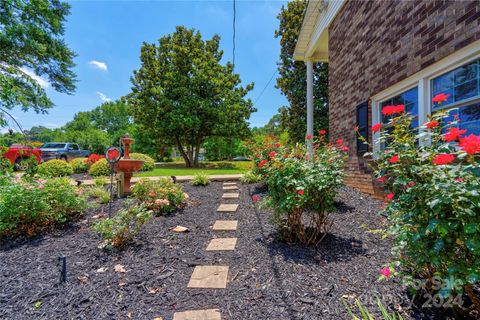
<point x="265" y="88"/>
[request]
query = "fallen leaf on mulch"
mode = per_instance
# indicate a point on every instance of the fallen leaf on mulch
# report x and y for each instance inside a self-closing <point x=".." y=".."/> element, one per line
<point x="102" y="270"/>
<point x="180" y="229"/>
<point x="83" y="279"/>
<point x="122" y="283"/>
<point x="129" y="315"/>
<point x="348" y="296"/>
<point x="120" y="268"/>
<point x="154" y="290"/>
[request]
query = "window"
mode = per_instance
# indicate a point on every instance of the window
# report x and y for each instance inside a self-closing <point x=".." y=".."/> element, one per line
<point x="463" y="87"/>
<point x="362" y="124"/>
<point x="409" y="99"/>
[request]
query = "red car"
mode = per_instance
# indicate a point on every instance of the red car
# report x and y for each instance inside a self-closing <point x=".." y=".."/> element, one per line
<point x="17" y="153"/>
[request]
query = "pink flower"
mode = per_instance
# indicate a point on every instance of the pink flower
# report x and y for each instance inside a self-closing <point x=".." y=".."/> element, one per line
<point x="300" y="192"/>
<point x="390" y="196"/>
<point x="376" y="127"/>
<point x="386" y="272"/>
<point x="394" y="159"/>
<point x="308" y="137"/>
<point x="255" y="198"/>
<point x="322" y="132"/>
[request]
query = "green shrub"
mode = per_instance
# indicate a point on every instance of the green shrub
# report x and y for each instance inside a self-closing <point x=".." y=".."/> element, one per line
<point x="27" y="206"/>
<point x="200" y="179"/>
<point x="100" y="168"/>
<point x="301" y="189"/>
<point x="149" y="163"/>
<point x="162" y="195"/>
<point x="433" y="213"/>
<point x="124" y="226"/>
<point x="55" y="168"/>
<point x="250" y="177"/>
<point x="99" y="193"/>
<point x="79" y="165"/>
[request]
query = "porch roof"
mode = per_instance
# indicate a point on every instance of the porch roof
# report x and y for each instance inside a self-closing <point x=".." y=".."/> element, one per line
<point x="312" y="44"/>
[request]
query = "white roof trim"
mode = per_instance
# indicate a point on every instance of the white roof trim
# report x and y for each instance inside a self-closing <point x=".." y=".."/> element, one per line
<point x="314" y="33"/>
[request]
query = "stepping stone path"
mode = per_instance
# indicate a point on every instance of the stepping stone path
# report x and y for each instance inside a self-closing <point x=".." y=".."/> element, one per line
<point x="228" y="208"/>
<point x="214" y="277"/>
<point x="222" y="244"/>
<point x="209" y="314"/>
<point x="230" y="196"/>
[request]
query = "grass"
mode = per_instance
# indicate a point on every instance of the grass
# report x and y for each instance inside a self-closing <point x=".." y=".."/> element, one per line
<point x="178" y="169"/>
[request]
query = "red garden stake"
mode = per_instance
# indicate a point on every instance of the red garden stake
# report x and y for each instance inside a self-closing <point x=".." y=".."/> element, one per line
<point x="112" y="155"/>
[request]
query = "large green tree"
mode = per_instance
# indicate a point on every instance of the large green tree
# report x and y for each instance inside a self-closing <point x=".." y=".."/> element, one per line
<point x="31" y="43"/>
<point x="293" y="77"/>
<point x="183" y="94"/>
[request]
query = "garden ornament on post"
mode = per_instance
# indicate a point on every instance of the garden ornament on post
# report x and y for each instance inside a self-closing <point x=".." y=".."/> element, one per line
<point x="112" y="155"/>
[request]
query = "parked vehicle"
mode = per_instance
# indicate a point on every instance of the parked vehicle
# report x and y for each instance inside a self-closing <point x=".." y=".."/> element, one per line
<point x="63" y="151"/>
<point x="17" y="153"/>
<point x="241" y="158"/>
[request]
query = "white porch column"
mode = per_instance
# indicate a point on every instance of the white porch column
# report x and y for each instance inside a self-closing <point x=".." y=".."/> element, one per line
<point x="309" y="105"/>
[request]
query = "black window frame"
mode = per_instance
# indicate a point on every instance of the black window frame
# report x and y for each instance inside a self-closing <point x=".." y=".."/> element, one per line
<point x="362" y="148"/>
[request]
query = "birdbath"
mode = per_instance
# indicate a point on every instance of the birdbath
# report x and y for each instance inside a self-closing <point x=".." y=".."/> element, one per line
<point x="127" y="166"/>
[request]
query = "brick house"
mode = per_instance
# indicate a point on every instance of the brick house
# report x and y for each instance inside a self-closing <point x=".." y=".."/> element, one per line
<point x="390" y="52"/>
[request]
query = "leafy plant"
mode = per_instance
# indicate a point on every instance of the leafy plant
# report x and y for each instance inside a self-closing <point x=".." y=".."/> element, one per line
<point x="79" y="165"/>
<point x="124" y="226"/>
<point x="301" y="188"/>
<point x="100" y="168"/>
<point x="250" y="177"/>
<point x="434" y="200"/>
<point x="101" y="181"/>
<point x="55" y="168"/>
<point x="200" y="179"/>
<point x="366" y="315"/>
<point x="27" y="206"/>
<point x="99" y="193"/>
<point x="162" y="195"/>
<point x="149" y="163"/>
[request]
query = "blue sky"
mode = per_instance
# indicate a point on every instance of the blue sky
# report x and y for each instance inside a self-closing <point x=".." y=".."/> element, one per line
<point x="107" y="36"/>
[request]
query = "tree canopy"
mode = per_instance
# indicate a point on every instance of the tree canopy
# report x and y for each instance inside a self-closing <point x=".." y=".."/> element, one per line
<point x="31" y="45"/>
<point x="293" y="77"/>
<point x="183" y="94"/>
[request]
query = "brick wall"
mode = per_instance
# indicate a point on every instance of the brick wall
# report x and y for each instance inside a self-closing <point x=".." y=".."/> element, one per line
<point x="374" y="44"/>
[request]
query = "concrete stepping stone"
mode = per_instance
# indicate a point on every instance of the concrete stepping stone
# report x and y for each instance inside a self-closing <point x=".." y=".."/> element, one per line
<point x="227" y="208"/>
<point x="229" y="184"/>
<point x="230" y="196"/>
<point x="209" y="314"/>
<point x="209" y="277"/>
<point x="222" y="244"/>
<point x="225" y="225"/>
<point x="228" y="188"/>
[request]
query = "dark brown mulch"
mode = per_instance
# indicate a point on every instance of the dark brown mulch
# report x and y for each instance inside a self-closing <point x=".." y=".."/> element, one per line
<point x="267" y="279"/>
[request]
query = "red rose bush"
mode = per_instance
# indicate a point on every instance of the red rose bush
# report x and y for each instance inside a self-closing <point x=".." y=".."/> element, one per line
<point x="301" y="188"/>
<point x="433" y="186"/>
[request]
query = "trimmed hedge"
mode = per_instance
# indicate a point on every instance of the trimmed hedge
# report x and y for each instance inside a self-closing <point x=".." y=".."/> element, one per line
<point x="79" y="165"/>
<point x="55" y="168"/>
<point x="149" y="163"/>
<point x="100" y="168"/>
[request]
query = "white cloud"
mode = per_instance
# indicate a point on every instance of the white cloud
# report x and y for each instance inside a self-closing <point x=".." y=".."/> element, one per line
<point x="103" y="97"/>
<point x="100" y="65"/>
<point x="42" y="82"/>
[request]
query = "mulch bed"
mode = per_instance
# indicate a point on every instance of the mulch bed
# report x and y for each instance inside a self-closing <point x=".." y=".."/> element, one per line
<point x="267" y="279"/>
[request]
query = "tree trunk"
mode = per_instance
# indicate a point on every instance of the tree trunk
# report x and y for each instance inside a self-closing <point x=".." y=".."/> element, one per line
<point x="197" y="151"/>
<point x="190" y="155"/>
<point x="182" y="152"/>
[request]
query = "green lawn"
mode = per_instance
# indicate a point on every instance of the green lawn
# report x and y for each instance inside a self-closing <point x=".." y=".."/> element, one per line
<point x="178" y="169"/>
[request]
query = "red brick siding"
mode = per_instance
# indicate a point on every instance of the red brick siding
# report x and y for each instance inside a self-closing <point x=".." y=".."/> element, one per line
<point x="374" y="44"/>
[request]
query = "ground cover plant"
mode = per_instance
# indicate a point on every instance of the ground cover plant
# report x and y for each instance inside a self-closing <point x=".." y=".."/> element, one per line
<point x="433" y="188"/>
<point x="301" y="187"/>
<point x="161" y="196"/>
<point x="250" y="177"/>
<point x="200" y="179"/>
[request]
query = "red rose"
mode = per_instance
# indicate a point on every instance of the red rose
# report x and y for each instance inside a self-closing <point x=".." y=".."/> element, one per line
<point x="272" y="154"/>
<point x="345" y="148"/>
<point x="300" y="192"/>
<point x="390" y="110"/>
<point x="443" y="158"/>
<point x="441" y="97"/>
<point x="257" y="155"/>
<point x="262" y="163"/>
<point x="394" y="159"/>
<point x="376" y="127"/>
<point x="390" y="196"/>
<point x="255" y="198"/>
<point x="287" y="155"/>
<point x="470" y="144"/>
<point x="308" y="137"/>
<point x="382" y="179"/>
<point x="432" y="124"/>
<point x="339" y="142"/>
<point x="277" y="145"/>
<point x="322" y="132"/>
<point x="453" y="134"/>
<point x="411" y="184"/>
